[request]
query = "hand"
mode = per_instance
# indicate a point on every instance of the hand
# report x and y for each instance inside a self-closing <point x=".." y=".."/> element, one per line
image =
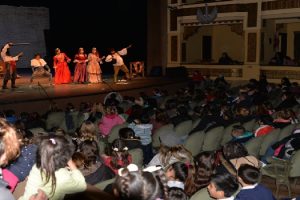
<point x="71" y="165"/>
<point x="69" y="60"/>
<point x="39" y="196"/>
<point x="20" y="54"/>
<point x="10" y="43"/>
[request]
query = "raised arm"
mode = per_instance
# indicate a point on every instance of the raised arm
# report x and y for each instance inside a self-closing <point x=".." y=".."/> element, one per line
<point x="123" y="52"/>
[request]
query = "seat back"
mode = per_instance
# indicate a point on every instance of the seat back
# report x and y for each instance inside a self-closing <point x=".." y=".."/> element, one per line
<point x="201" y="194"/>
<point x="227" y="133"/>
<point x="183" y="128"/>
<point x="155" y="136"/>
<point x="195" y="122"/>
<point x="102" y="185"/>
<point x="295" y="165"/>
<point x="213" y="139"/>
<point x="137" y="156"/>
<point x="253" y="146"/>
<point x="114" y="132"/>
<point x="286" y="131"/>
<point x="268" y="140"/>
<point x="249" y="126"/>
<point x="194" y="142"/>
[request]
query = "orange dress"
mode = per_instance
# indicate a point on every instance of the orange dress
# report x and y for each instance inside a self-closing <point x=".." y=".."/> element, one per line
<point x="62" y="72"/>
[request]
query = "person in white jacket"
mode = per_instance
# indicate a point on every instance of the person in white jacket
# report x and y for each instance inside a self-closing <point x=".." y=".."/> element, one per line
<point x="118" y="63"/>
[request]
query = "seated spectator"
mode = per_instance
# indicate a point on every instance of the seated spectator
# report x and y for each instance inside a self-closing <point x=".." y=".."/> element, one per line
<point x="9" y="150"/>
<point x="222" y="186"/>
<point x="283" y="118"/>
<point x="265" y="125"/>
<point x="225" y="59"/>
<point x="288" y="101"/>
<point x="169" y="155"/>
<point x="204" y="169"/>
<point x="109" y="120"/>
<point x="131" y="183"/>
<point x="128" y="136"/>
<point x="180" y="175"/>
<point x="92" y="167"/>
<point x="19" y="169"/>
<point x="119" y="157"/>
<point x="248" y="177"/>
<point x="96" y="112"/>
<point x="181" y="116"/>
<point x="176" y="193"/>
<point x="51" y="174"/>
<point x="240" y="135"/>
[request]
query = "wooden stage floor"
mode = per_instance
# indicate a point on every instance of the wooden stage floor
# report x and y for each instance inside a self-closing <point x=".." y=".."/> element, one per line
<point x="42" y="93"/>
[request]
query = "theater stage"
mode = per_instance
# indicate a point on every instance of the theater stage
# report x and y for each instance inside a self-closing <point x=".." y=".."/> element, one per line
<point x="38" y="97"/>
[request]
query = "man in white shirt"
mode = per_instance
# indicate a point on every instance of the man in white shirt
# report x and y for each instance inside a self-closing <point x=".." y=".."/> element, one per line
<point x="40" y="68"/>
<point x="118" y="63"/>
<point x="10" y="66"/>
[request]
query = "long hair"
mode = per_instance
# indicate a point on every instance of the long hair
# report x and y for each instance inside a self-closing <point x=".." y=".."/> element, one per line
<point x="53" y="153"/>
<point x="88" y="131"/>
<point x="205" y="168"/>
<point x="140" y="185"/>
<point x="120" y="152"/>
<point x="178" y="152"/>
<point x="184" y="172"/>
<point x="9" y="143"/>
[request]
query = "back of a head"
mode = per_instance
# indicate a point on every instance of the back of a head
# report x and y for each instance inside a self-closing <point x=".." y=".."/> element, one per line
<point x="225" y="182"/>
<point x="126" y="133"/>
<point x="88" y="129"/>
<point x="238" y="128"/>
<point x="266" y="120"/>
<point x="233" y="150"/>
<point x="249" y="174"/>
<point x="138" y="185"/>
<point x="53" y="153"/>
<point x="177" y="194"/>
<point x="90" y="150"/>
<point x="181" y="171"/>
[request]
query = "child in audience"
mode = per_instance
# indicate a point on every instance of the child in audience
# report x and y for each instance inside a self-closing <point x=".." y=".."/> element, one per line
<point x="119" y="157"/>
<point x="205" y="168"/>
<point x="19" y="169"/>
<point x="222" y="186"/>
<point x="109" y="120"/>
<point x="239" y="134"/>
<point x="180" y="175"/>
<point x="93" y="169"/>
<point x="55" y="173"/>
<point x="143" y="129"/>
<point x="141" y="185"/>
<point x="128" y="136"/>
<point x="265" y="125"/>
<point x="248" y="177"/>
<point x="176" y="193"/>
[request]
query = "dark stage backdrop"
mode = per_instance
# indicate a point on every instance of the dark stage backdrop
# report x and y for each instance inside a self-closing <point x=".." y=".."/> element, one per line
<point x="113" y="23"/>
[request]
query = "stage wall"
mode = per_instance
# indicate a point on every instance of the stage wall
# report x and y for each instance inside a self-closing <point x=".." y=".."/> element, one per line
<point x="24" y="24"/>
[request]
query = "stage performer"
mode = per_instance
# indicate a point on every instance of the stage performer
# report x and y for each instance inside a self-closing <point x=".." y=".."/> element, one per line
<point x="93" y="68"/>
<point x="80" y="68"/>
<point x="118" y="63"/>
<point x="10" y="66"/>
<point x="62" y="72"/>
<point x="40" y="68"/>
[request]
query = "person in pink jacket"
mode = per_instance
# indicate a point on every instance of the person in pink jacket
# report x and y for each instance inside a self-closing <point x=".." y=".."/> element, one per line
<point x="109" y="120"/>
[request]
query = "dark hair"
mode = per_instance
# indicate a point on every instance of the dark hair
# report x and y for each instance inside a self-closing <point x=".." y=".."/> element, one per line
<point x="184" y="173"/>
<point x="90" y="150"/>
<point x="120" y="147"/>
<point x="141" y="185"/>
<point x="176" y="193"/>
<point x="126" y="133"/>
<point x="205" y="167"/>
<point x="238" y="127"/>
<point x="249" y="174"/>
<point x="266" y="119"/>
<point x="233" y="150"/>
<point x="145" y="118"/>
<point x="53" y="153"/>
<point x="225" y="182"/>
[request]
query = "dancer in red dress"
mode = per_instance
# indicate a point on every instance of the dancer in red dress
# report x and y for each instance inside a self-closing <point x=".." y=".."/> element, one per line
<point x="62" y="72"/>
<point x="80" y="69"/>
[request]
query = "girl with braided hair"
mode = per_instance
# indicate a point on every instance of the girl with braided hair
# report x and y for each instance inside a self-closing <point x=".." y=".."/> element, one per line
<point x="141" y="185"/>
